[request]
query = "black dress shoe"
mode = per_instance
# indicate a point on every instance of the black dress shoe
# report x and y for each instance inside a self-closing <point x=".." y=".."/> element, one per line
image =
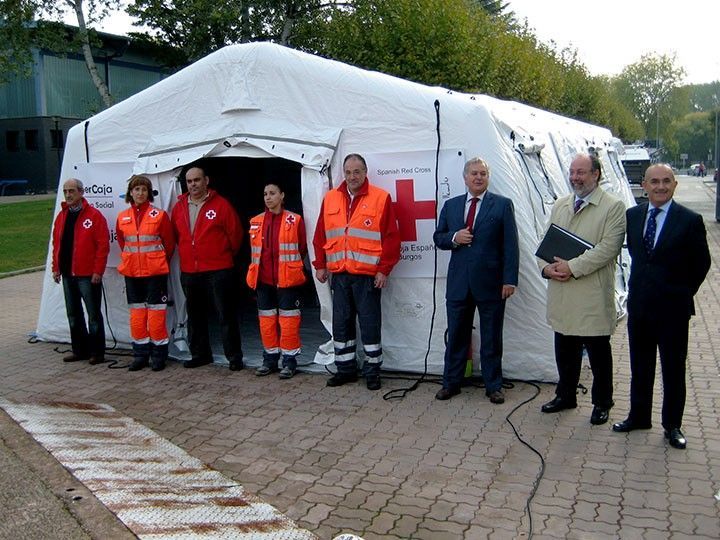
<point x="373" y="382"/>
<point x="446" y="393"/>
<point x="138" y="363"/>
<point x="599" y="415"/>
<point x="628" y="425"/>
<point x="72" y="357"/>
<point x="676" y="438"/>
<point x="341" y="378"/>
<point x="157" y="364"/>
<point x="236" y="365"/>
<point x="558" y="404"/>
<point x="497" y="397"/>
<point x="197" y="362"/>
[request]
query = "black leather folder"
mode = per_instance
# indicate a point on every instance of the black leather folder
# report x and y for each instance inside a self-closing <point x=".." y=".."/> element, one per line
<point x="559" y="242"/>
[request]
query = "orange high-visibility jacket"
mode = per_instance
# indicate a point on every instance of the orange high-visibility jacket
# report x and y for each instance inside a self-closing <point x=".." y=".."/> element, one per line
<point x="144" y="252"/>
<point x="290" y="265"/>
<point x="353" y="246"/>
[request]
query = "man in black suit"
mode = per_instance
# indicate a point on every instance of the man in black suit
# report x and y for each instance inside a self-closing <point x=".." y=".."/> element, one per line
<point x="479" y="227"/>
<point x="670" y="259"/>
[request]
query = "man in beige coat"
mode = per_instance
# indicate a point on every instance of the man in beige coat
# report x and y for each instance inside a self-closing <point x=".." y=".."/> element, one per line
<point x="581" y="291"/>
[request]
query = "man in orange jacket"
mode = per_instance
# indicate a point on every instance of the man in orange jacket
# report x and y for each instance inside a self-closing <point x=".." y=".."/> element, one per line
<point x="81" y="243"/>
<point x="209" y="234"/>
<point x="358" y="242"/>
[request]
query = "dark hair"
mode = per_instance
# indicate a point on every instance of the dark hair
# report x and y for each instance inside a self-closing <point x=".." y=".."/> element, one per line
<point x="595" y="165"/>
<point x="204" y="172"/>
<point x="355" y="156"/>
<point x="276" y="183"/>
<point x="137" y="180"/>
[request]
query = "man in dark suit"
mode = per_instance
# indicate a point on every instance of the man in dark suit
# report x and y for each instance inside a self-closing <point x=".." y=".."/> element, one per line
<point x="479" y="227"/>
<point x="670" y="259"/>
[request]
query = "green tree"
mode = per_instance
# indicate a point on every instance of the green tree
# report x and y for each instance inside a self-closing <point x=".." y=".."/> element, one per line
<point x="704" y="97"/>
<point x="694" y="134"/>
<point x="199" y="27"/>
<point x="458" y="45"/>
<point x="436" y="42"/>
<point x="615" y="115"/>
<point x="20" y="32"/>
<point x="15" y="54"/>
<point x="492" y="7"/>
<point x="647" y="85"/>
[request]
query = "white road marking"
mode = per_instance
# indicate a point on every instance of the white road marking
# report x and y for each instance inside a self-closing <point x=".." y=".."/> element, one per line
<point x="154" y="487"/>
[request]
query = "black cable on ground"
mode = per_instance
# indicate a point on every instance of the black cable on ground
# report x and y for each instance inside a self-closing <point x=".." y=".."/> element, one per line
<point x="541" y="473"/>
<point x="400" y="393"/>
<point x="113" y="364"/>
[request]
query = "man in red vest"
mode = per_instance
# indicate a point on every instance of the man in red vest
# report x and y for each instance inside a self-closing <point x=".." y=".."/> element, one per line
<point x="358" y="242"/>
<point x="209" y="234"/>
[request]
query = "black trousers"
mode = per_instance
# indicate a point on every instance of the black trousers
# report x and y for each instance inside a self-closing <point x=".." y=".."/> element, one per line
<point x="647" y="336"/>
<point x="146" y="290"/>
<point x="460" y="315"/>
<point x="216" y="289"/>
<point x="568" y="357"/>
<point x="86" y="340"/>
<point x="356" y="297"/>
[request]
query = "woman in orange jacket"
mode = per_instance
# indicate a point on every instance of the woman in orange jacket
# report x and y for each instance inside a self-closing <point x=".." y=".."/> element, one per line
<point x="147" y="242"/>
<point x="278" y="245"/>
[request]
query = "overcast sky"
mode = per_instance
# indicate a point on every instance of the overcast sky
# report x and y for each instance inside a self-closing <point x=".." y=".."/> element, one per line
<point x="610" y="34"/>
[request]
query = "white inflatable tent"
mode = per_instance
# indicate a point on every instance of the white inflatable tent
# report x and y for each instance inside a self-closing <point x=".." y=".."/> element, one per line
<point x="261" y="101"/>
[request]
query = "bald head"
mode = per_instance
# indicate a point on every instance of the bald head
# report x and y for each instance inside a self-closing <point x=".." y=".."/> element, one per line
<point x="659" y="183"/>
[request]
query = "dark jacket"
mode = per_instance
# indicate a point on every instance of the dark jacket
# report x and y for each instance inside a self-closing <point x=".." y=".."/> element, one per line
<point x="665" y="281"/>
<point x="491" y="260"/>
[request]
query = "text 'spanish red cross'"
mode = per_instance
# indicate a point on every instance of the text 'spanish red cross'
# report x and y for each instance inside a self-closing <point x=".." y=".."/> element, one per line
<point x="408" y="210"/>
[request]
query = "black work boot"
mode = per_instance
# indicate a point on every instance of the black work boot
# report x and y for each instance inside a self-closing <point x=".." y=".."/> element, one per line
<point x="141" y="355"/>
<point x="342" y="378"/>
<point x="158" y="357"/>
<point x="289" y="367"/>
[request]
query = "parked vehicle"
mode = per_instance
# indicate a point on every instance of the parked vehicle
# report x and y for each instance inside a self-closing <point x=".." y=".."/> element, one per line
<point x="635" y="160"/>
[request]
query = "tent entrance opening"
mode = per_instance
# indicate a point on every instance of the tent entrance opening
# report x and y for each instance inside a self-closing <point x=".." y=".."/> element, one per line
<point x="241" y="180"/>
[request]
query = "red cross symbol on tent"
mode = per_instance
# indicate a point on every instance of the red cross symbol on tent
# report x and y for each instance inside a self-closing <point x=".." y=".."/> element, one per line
<point x="408" y="210"/>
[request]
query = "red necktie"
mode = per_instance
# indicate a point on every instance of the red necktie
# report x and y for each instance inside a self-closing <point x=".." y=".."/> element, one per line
<point x="470" y="222"/>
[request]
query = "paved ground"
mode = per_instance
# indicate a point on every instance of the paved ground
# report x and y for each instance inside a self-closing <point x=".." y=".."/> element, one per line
<point x="345" y="460"/>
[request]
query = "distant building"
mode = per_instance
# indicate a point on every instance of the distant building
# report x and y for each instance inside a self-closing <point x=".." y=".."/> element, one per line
<point x="37" y="111"/>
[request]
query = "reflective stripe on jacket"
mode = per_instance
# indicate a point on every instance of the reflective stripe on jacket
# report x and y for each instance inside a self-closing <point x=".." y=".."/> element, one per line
<point x="353" y="246"/>
<point x="290" y="265"/>
<point x="144" y="252"/>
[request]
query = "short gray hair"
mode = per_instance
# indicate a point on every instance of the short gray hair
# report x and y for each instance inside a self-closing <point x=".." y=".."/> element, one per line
<point x="473" y="161"/>
<point x="78" y="183"/>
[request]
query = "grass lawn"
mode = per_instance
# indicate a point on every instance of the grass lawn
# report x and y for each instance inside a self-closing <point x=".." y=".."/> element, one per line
<point x="24" y="233"/>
